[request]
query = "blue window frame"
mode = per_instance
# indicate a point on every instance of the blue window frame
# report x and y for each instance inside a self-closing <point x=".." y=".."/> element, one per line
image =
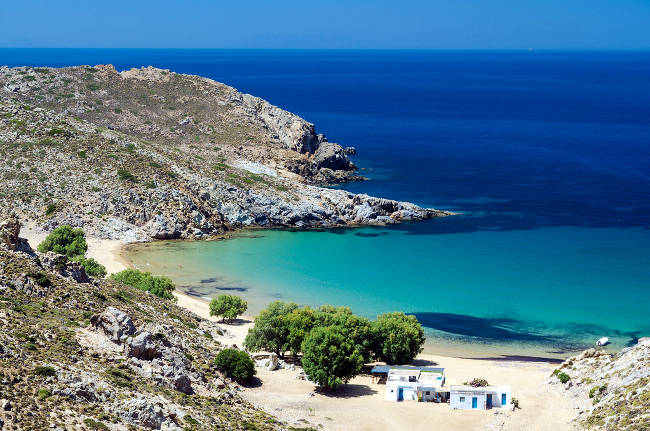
<point x="503" y="399"/>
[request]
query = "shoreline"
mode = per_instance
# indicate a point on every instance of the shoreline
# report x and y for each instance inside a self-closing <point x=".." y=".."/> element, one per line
<point x="111" y="254"/>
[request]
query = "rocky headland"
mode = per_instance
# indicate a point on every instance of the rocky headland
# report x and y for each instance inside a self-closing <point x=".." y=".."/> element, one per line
<point x="151" y="154"/>
<point x="608" y="392"/>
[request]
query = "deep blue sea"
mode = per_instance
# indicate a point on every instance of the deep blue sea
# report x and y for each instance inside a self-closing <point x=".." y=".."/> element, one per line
<point x="546" y="155"/>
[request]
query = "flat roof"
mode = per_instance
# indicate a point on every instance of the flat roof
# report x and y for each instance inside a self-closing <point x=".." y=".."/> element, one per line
<point x="467" y="388"/>
<point x="383" y="369"/>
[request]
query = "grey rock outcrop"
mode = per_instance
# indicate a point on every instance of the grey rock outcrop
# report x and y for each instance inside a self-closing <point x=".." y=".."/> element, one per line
<point x="143" y="413"/>
<point x="10" y="234"/>
<point x="115" y="323"/>
<point x="142" y="347"/>
<point x="332" y="156"/>
<point x="61" y="265"/>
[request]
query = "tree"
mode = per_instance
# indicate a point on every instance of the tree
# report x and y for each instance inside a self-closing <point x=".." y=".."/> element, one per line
<point x="65" y="240"/>
<point x="158" y="285"/>
<point x="358" y="329"/>
<point x="227" y="306"/>
<point x="271" y="329"/>
<point x="235" y="363"/>
<point x="397" y="338"/>
<point x="330" y="357"/>
<point x="300" y="322"/>
<point x="92" y="267"/>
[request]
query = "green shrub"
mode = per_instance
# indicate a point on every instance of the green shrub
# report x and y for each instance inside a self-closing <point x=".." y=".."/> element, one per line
<point x="44" y="393"/>
<point x="65" y="240"/>
<point x="477" y="382"/>
<point x="51" y="209"/>
<point x="93" y="86"/>
<point x="125" y="175"/>
<point x="227" y="307"/>
<point x="158" y="285"/>
<point x="40" y="278"/>
<point x="563" y="377"/>
<point x="91" y="266"/>
<point x="94" y="425"/>
<point x="44" y="371"/>
<point x="235" y="363"/>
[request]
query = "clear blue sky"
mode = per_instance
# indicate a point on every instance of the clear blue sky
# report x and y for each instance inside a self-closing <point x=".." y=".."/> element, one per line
<point x="417" y="24"/>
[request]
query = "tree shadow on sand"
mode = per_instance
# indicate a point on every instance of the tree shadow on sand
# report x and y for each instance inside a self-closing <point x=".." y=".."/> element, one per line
<point x="423" y="363"/>
<point x="350" y="390"/>
<point x="253" y="382"/>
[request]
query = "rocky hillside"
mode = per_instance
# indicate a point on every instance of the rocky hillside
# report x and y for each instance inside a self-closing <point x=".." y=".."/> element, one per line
<point x="83" y="354"/>
<point x="148" y="153"/>
<point x="609" y="392"/>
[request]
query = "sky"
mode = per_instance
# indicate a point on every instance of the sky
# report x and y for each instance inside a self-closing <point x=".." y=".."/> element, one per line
<point x="334" y="24"/>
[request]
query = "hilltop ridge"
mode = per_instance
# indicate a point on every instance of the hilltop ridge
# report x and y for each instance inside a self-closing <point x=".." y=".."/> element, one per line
<point x="151" y="154"/>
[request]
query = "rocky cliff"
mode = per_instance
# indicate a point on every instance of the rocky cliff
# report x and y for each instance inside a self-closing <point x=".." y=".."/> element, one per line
<point x="83" y="354"/>
<point x="148" y="153"/>
<point x="609" y="392"/>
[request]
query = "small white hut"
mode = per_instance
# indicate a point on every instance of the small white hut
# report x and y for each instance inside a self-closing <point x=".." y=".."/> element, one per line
<point x="471" y="398"/>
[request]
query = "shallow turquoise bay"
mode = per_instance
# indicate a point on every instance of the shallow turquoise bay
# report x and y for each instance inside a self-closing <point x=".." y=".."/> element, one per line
<point x="552" y="290"/>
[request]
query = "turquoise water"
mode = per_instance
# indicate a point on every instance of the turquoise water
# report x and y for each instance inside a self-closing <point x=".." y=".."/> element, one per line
<point x="553" y="290"/>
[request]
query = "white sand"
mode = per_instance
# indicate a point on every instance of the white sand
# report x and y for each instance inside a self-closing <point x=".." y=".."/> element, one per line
<point x="360" y="405"/>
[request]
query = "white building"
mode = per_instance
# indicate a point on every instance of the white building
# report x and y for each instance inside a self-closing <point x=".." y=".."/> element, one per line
<point x="413" y="383"/>
<point x="470" y="398"/>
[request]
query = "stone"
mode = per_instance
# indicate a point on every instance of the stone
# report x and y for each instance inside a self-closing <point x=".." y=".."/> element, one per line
<point x="9" y="231"/>
<point x="115" y="323"/>
<point x="142" y="347"/>
<point x="5" y="404"/>
<point x="142" y="413"/>
<point x="271" y="363"/>
<point x="183" y="384"/>
<point x="332" y="156"/>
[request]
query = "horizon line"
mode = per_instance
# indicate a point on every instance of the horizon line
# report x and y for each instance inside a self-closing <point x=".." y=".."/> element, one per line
<point x="337" y="49"/>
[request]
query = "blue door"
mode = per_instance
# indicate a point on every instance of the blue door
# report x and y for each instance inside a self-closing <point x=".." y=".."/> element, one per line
<point x="488" y="401"/>
<point x="503" y="399"/>
<point x="474" y="402"/>
<point x="400" y="394"/>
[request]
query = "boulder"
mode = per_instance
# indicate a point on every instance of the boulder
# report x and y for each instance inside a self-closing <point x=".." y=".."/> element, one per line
<point x="115" y="323"/>
<point x="142" y="413"/>
<point x="61" y="265"/>
<point x="271" y="363"/>
<point x="9" y="231"/>
<point x="142" y="347"/>
<point x="332" y="156"/>
<point x="182" y="383"/>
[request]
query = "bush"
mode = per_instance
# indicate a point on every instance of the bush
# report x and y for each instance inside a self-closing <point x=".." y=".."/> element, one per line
<point x="158" y="285"/>
<point x="91" y="266"/>
<point x="235" y="363"/>
<point x="228" y="307"/>
<point x="330" y="357"/>
<point x="44" y="371"/>
<point x="398" y="338"/>
<point x="44" y="393"/>
<point x="563" y="377"/>
<point x="477" y="382"/>
<point x="125" y="175"/>
<point x="65" y="240"/>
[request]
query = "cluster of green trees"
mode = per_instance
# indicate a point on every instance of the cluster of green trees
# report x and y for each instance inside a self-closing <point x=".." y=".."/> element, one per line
<point x="334" y="343"/>
<point x="72" y="243"/>
<point x="158" y="285"/>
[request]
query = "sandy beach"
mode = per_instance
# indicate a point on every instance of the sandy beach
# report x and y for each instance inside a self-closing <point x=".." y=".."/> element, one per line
<point x="360" y="405"/>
